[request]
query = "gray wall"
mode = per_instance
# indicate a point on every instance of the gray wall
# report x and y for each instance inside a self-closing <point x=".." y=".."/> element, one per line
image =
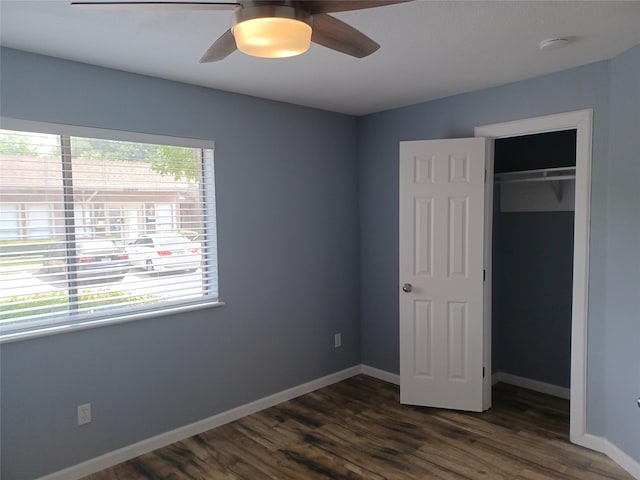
<point x="613" y="381"/>
<point x="293" y="249"/>
<point x="532" y="295"/>
<point x="622" y="375"/>
<point x="575" y="89"/>
<point x="533" y="262"/>
<point x="579" y="88"/>
<point x="286" y="181"/>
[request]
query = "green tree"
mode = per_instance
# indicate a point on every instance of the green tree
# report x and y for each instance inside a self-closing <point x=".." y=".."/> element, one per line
<point x="181" y="162"/>
<point x="110" y="149"/>
<point x="16" y="144"/>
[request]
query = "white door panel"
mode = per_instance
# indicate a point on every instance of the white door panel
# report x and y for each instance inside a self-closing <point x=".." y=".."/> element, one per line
<point x="442" y="215"/>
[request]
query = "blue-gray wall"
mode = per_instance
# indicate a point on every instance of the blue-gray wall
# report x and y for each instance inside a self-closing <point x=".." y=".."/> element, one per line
<point x="294" y="247"/>
<point x="622" y="274"/>
<point x="532" y="291"/>
<point x="613" y="362"/>
<point x="286" y="181"/>
<point x="575" y="89"/>
<point x="532" y="295"/>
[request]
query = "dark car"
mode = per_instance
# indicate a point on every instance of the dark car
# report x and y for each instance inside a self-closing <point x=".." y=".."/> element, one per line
<point x="99" y="260"/>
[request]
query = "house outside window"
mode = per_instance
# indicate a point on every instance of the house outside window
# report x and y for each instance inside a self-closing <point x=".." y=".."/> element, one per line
<point x="75" y="211"/>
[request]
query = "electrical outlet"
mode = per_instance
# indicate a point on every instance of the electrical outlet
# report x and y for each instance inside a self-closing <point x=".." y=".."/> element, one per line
<point x="337" y="340"/>
<point x="84" y="414"/>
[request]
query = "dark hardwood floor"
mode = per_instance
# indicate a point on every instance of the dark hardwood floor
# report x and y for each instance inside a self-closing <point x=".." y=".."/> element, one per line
<point x="357" y="429"/>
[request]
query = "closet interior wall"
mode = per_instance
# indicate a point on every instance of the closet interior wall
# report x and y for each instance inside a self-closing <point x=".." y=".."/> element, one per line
<point x="533" y="223"/>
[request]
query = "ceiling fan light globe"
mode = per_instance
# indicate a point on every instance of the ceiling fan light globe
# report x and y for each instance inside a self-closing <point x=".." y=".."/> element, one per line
<point x="272" y="37"/>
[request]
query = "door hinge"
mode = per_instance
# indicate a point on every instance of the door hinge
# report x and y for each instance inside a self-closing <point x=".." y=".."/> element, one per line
<point x="482" y="372"/>
<point x="485" y="176"/>
<point x="484" y="275"/>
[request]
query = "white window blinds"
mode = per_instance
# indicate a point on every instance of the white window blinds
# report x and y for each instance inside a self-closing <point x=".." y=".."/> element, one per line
<point x="92" y="229"/>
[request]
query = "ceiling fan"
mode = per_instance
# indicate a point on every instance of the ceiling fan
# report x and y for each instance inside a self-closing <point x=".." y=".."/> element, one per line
<point x="275" y="28"/>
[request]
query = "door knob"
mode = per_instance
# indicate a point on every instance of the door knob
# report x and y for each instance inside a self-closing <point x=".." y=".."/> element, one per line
<point x="407" y="287"/>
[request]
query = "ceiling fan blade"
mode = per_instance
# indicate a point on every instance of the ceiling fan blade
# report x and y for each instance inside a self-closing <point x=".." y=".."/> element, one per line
<point x="330" y="6"/>
<point x="221" y="48"/>
<point x="335" y="34"/>
<point x="156" y="5"/>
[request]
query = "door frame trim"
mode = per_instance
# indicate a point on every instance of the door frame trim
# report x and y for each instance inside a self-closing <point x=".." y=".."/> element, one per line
<point x="582" y="122"/>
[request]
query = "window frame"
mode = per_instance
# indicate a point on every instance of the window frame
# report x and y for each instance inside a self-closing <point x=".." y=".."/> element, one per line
<point x="40" y="327"/>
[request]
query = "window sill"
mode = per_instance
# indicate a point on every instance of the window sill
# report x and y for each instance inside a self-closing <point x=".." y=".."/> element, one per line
<point x="55" y="329"/>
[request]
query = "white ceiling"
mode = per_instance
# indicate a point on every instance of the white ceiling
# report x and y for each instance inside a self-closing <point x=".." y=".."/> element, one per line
<point x="430" y="49"/>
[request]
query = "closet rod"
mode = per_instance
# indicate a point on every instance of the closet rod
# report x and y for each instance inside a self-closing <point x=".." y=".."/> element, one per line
<point x="539" y="175"/>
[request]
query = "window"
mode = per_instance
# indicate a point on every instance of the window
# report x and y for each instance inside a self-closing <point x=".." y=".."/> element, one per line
<point x="38" y="221"/>
<point x="9" y="222"/>
<point x="96" y="230"/>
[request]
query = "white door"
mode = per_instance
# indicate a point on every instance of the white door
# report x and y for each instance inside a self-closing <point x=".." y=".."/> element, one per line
<point x="442" y="239"/>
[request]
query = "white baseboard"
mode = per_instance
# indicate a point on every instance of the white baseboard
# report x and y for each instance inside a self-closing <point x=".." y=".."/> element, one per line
<point x="587" y="440"/>
<point x="534" y="385"/>
<point x="110" y="459"/>
<point x="592" y="442"/>
<point x="622" y="459"/>
<point x="603" y="445"/>
<point x="380" y="374"/>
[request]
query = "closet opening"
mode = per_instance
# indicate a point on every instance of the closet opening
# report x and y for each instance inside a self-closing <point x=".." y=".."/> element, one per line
<point x="532" y="260"/>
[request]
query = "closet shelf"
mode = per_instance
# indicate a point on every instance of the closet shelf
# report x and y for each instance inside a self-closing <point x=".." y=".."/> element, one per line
<point x="552" y="175"/>
<point x="539" y="175"/>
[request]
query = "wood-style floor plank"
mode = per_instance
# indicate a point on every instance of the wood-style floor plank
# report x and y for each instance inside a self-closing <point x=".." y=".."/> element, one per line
<point x="357" y="429"/>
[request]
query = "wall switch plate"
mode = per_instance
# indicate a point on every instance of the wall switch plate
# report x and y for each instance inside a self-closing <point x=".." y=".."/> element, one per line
<point x="337" y="340"/>
<point x="84" y="414"/>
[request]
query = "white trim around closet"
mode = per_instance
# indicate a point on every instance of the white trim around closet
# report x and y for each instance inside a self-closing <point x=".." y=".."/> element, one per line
<point x="581" y="121"/>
